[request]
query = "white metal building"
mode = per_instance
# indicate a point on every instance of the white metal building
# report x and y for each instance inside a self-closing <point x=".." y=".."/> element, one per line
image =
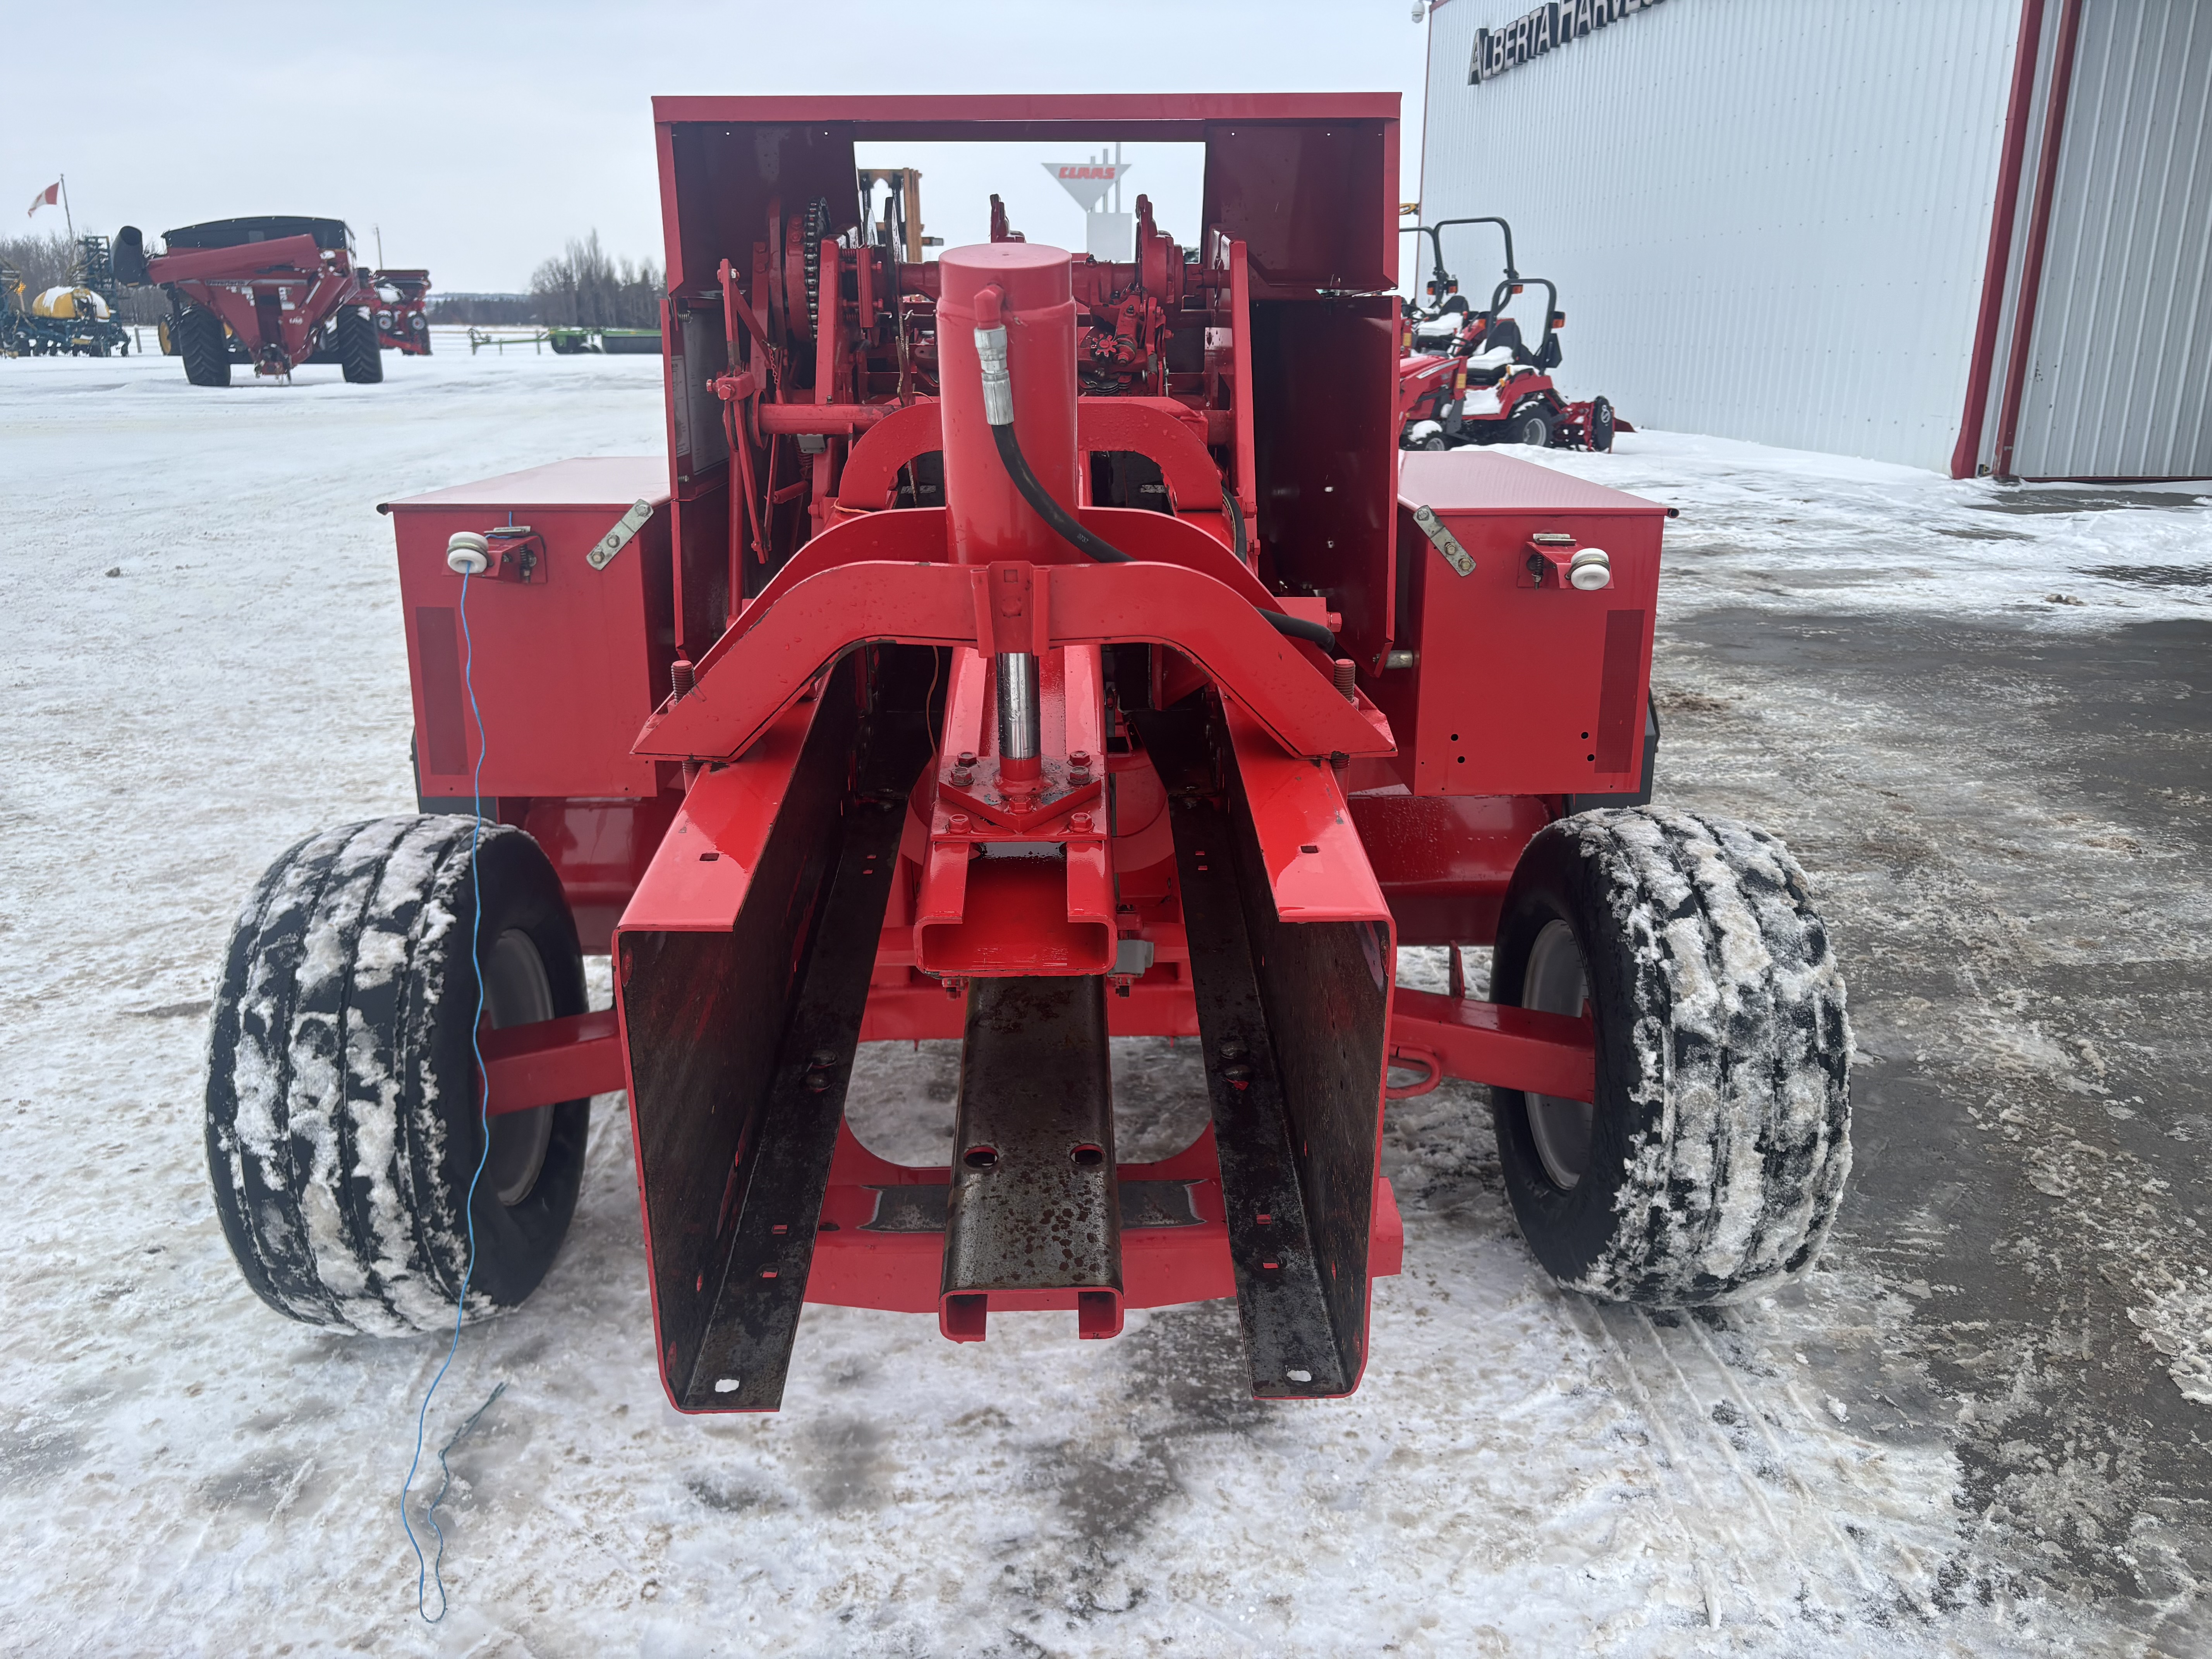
<point x="1819" y="222"/>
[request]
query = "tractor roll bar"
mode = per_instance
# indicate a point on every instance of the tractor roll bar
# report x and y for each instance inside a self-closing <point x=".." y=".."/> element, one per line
<point x="1434" y="233"/>
<point x="1506" y="290"/>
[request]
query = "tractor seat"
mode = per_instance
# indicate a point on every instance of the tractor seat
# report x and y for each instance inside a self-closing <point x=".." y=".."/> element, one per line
<point x="1488" y="367"/>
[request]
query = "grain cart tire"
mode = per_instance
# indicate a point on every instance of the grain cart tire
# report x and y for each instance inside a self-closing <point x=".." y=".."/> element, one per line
<point x="200" y="342"/>
<point x="353" y="334"/>
<point x="1716" y="1152"/>
<point x="1529" y="424"/>
<point x="343" y="1126"/>
<point x="1600" y="424"/>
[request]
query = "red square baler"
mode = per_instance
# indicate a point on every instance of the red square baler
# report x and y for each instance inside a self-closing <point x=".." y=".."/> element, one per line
<point x="1028" y="650"/>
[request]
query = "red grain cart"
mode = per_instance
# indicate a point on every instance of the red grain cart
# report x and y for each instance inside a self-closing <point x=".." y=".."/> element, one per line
<point x="276" y="291"/>
<point x="1026" y="651"/>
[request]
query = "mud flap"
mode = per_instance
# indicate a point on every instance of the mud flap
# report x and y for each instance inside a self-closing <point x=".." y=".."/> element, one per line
<point x="741" y="1042"/>
<point x="1294" y="1020"/>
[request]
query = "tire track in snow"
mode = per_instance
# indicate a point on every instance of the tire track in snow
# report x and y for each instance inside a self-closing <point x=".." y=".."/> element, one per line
<point x="1678" y="1464"/>
<point x="1755" y="1414"/>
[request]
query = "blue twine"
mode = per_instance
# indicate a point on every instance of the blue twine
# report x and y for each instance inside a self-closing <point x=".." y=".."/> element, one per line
<point x="432" y="1571"/>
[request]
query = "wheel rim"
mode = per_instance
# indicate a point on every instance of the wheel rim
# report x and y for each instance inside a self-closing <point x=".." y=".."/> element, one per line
<point x="1553" y="983"/>
<point x="516" y="993"/>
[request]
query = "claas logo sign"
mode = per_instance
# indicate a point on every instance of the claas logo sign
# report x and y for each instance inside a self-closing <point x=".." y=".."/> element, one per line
<point x="1087" y="181"/>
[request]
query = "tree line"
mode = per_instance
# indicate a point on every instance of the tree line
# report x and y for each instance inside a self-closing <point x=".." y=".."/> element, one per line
<point x="582" y="287"/>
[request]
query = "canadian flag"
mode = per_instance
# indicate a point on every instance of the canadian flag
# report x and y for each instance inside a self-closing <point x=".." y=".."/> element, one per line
<point x="46" y="198"/>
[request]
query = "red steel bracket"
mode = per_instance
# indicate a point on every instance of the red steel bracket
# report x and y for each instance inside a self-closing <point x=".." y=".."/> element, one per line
<point x="571" y="1057"/>
<point x="1490" y="1043"/>
<point x="774" y="651"/>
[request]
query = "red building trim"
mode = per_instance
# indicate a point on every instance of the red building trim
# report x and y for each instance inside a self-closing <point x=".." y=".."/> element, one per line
<point x="2014" y="153"/>
<point x="2039" y="233"/>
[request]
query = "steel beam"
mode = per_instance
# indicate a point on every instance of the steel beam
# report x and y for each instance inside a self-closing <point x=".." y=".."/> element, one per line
<point x="1034" y="1204"/>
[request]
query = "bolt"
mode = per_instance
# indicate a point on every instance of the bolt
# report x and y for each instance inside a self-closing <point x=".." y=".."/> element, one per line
<point x="1079" y="821"/>
<point x="962" y="777"/>
<point x="1347" y="678"/>
<point x="966" y="757"/>
<point x="681" y="678"/>
<point x="1079" y="759"/>
<point x="957" y="824"/>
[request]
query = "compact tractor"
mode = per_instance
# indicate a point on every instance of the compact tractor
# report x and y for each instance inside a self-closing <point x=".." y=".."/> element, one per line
<point x="275" y="291"/>
<point x="1027" y="650"/>
<point x="1469" y="377"/>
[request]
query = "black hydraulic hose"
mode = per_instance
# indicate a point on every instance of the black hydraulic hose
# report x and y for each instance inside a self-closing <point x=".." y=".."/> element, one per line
<point x="1041" y="502"/>
<point x="1040" y="498"/>
<point x="1289" y="625"/>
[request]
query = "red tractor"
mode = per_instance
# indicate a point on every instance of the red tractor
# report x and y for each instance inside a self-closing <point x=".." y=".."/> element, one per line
<point x="1028" y="651"/>
<point x="1468" y="377"/>
<point x="276" y="291"/>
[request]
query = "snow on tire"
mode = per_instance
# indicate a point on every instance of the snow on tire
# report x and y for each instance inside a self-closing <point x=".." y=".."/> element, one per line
<point x="343" y="1126"/>
<point x="1716" y="1154"/>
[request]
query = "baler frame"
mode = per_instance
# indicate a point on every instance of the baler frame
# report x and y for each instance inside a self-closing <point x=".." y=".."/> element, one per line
<point x="968" y="676"/>
<point x="862" y="578"/>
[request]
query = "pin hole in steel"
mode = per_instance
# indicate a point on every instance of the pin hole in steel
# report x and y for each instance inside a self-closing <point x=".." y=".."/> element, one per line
<point x="981" y="1157"/>
<point x="1298" y="1376"/>
<point x="1088" y="1157"/>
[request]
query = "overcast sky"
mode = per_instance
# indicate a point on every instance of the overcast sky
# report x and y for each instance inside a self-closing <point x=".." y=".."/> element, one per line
<point x="479" y="137"/>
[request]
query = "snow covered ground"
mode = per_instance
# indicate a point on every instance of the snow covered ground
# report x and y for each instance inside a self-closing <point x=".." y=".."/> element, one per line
<point x="1905" y="1455"/>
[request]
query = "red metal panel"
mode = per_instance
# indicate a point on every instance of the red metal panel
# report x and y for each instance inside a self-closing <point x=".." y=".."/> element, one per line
<point x="981" y="116"/>
<point x="700" y="873"/>
<point x="1444" y="860"/>
<point x="1310" y="200"/>
<point x="1513" y="682"/>
<point x="601" y="850"/>
<point x="1326" y="458"/>
<point x="566" y="665"/>
<point x="1308" y="844"/>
